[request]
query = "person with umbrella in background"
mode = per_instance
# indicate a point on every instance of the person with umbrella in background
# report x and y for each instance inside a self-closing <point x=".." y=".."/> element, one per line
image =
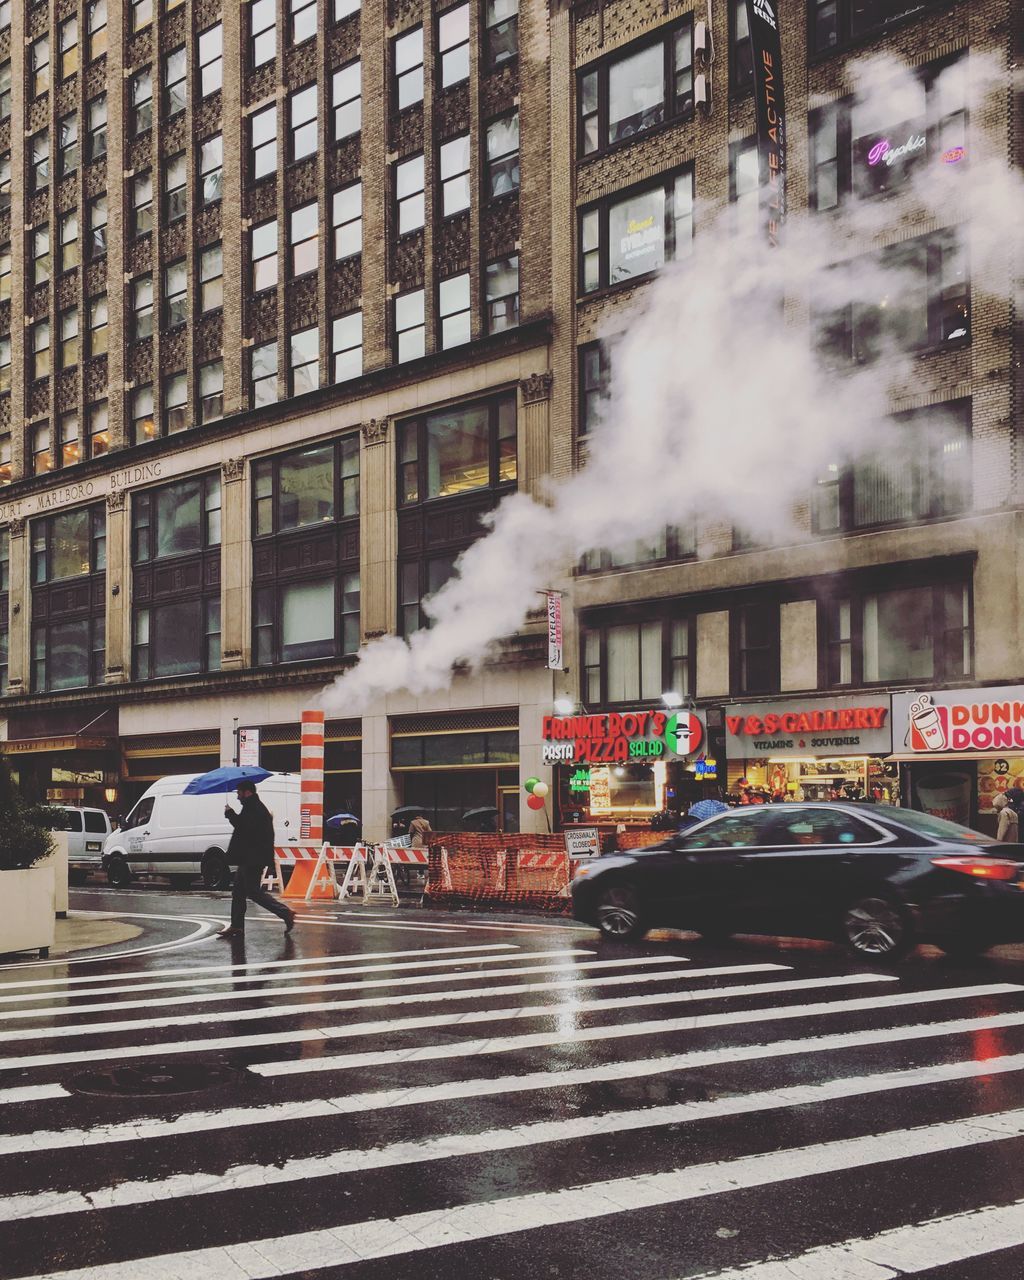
<point x="252" y="848"/>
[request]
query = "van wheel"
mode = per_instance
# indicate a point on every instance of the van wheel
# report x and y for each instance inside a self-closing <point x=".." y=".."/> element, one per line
<point x="181" y="882"/>
<point x="215" y="870"/>
<point x="119" y="874"/>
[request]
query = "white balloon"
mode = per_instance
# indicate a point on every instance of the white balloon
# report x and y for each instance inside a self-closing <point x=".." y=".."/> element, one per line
<point x="541" y="789"/>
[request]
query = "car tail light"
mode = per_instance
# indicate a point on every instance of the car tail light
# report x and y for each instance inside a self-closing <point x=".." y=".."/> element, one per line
<point x="980" y="868"/>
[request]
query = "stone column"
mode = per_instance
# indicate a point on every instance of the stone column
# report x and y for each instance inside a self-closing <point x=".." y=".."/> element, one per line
<point x="235" y="568"/>
<point x="380" y="793"/>
<point x="535" y="431"/>
<point x="20" y="633"/>
<point x="119" y="613"/>
<point x="378" y="530"/>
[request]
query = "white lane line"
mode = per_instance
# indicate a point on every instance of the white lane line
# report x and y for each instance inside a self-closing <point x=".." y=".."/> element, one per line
<point x="578" y="1035"/>
<point x="425" y="1095"/>
<point x="900" y="1251"/>
<point x="318" y="1007"/>
<point x="202" y="931"/>
<point x="376" y="924"/>
<point x="565" y="964"/>
<point x="257" y="964"/>
<point x="331" y="970"/>
<point x="32" y="1093"/>
<point x="492" y="1219"/>
<point x="464" y="924"/>
<point x="515" y="1013"/>
<point x="15" y="1207"/>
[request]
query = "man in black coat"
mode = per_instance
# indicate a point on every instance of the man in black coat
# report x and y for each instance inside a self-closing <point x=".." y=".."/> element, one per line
<point x="252" y="848"/>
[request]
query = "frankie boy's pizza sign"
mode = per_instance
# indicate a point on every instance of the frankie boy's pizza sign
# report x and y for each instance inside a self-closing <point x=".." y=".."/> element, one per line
<point x="621" y="736"/>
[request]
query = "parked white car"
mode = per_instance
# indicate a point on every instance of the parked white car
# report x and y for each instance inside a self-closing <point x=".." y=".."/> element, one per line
<point x="87" y="831"/>
<point x="171" y="834"/>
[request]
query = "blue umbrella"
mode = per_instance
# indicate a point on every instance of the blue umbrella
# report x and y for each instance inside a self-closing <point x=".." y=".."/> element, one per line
<point x="707" y="809"/>
<point x="341" y="820"/>
<point x="226" y="778"/>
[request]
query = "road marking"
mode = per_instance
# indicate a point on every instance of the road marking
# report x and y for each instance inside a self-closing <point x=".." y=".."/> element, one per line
<point x="492" y="1219"/>
<point x="317" y="988"/>
<point x="32" y="1093"/>
<point x="202" y="931"/>
<point x="424" y="1095"/>
<point x="368" y="924"/>
<point x="15" y="1207"/>
<point x="900" y="1251"/>
<point x="387" y="1026"/>
<point x="255" y="964"/>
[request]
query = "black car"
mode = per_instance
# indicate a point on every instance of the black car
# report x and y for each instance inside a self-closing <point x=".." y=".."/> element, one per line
<point x="878" y="878"/>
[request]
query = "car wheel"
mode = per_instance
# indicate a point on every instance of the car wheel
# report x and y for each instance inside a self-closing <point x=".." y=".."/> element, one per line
<point x="215" y="870"/>
<point x="181" y="882"/>
<point x="877" y="928"/>
<point x="618" y="914"/>
<point x="118" y="873"/>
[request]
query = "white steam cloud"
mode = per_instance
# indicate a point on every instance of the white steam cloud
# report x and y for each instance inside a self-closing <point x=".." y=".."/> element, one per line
<point x="719" y="407"/>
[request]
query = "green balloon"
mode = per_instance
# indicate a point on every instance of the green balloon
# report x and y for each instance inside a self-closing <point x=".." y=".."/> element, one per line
<point x="530" y="783"/>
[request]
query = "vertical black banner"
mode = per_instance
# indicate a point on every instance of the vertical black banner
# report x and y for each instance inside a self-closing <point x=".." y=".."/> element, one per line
<point x="770" y="102"/>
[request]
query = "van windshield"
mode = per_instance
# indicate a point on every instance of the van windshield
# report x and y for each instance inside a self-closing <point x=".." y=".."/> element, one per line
<point x="141" y="814"/>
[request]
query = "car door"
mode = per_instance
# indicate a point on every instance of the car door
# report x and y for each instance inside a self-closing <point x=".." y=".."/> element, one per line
<point x="97" y="828"/>
<point x="76" y="838"/>
<point x="708" y="861"/>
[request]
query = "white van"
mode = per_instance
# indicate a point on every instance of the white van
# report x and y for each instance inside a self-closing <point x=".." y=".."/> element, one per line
<point x="87" y="830"/>
<point x="171" y="834"/>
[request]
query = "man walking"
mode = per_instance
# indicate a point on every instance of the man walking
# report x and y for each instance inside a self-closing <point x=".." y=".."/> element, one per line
<point x="252" y="848"/>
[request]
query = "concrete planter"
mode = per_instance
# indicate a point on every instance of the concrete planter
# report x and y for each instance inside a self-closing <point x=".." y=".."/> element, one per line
<point x="27" y="910"/>
<point x="59" y="861"/>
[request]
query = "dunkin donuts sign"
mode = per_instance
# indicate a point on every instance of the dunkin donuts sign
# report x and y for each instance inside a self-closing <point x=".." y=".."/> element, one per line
<point x="960" y="720"/>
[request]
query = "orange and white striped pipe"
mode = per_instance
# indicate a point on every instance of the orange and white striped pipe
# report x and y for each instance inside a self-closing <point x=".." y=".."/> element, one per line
<point x="311" y="757"/>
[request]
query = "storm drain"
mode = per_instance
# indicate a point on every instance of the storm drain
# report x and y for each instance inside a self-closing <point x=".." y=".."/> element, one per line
<point x="154" y="1081"/>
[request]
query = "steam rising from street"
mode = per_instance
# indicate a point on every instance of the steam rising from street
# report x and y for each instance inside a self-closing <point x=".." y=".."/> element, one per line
<point x="720" y="408"/>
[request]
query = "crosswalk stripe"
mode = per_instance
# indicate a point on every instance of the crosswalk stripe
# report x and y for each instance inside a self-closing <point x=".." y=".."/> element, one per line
<point x="378" y="925"/>
<point x="32" y="1093"/>
<point x="191" y="997"/>
<point x="452" y="1146"/>
<point x="539" y="1040"/>
<point x="423" y="1095"/>
<point x="499" y="924"/>
<point x="491" y="1219"/>
<point x="390" y="999"/>
<point x="900" y="1251"/>
<point x="256" y="964"/>
<point x="460" y="1049"/>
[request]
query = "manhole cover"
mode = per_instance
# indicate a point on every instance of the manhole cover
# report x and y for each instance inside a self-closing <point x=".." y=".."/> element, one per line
<point x="152" y="1081"/>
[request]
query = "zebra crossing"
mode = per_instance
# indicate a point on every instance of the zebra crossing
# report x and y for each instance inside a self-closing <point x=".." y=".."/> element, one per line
<point x="547" y="1104"/>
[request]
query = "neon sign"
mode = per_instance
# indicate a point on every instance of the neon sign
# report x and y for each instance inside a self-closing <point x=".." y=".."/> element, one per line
<point x="884" y="150"/>
<point x="954" y="155"/>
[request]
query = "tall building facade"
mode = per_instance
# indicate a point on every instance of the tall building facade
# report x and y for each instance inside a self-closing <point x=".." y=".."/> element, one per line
<point x="294" y="292"/>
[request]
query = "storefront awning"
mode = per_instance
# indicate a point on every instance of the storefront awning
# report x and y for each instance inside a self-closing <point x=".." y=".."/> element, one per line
<point x="74" y="742"/>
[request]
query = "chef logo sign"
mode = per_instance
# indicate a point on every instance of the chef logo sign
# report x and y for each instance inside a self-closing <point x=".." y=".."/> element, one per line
<point x="620" y="736"/>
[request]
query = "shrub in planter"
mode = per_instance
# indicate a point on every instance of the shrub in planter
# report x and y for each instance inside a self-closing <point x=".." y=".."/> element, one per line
<point x="24" y="828"/>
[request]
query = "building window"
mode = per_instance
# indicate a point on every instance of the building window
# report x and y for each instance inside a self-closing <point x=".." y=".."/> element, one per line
<point x="626" y="237"/>
<point x="304" y="360"/>
<point x="5" y="181"/>
<point x="175" y="68"/>
<point x="175" y="404"/>
<point x="142" y="14"/>
<point x="96" y="213"/>
<point x="347" y="346"/>
<point x="453" y="309"/>
<point x="41" y="254"/>
<point x="502" y="294"/>
<point x="636" y="662"/>
<point x="72" y="544"/>
<point x="503" y="156"/>
<point x="41" y="349"/>
<point x="501" y="32"/>
<point x="755" y="638"/>
<point x="67" y="134"/>
<point x="5" y="271"/>
<point x="453" y="45"/>
<point x="96" y="117"/>
<point x="453" y="164"/>
<point x="304" y="239"/>
<point x="68" y="445"/>
<point x="211" y="391"/>
<point x="451" y="452"/>
<point x="741" y="64"/>
<point x="142" y="100"/>
<point x="347" y="101"/>
<point x="42" y="452"/>
<point x="211" y="278"/>
<point x="175" y="294"/>
<point x="39" y="61"/>
<point x="263" y="373"/>
<point x="175" y="180"/>
<point x="347" y="220"/>
<point x="96" y="27"/>
<point x="98" y="428"/>
<point x="745" y="184"/>
<point x="675" y="542"/>
<point x="68" y="634"/>
<point x="5" y="364"/>
<point x="837" y="22"/>
<point x="410" y="326"/>
<point x="263" y="251"/>
<point x="5" y="458"/>
<point x="262" y="32"/>
<point x="68" y="39"/>
<point x="632" y="92"/>
<point x="314" y="486"/>
<point x="303" y="122"/>
<point x="211" y="169"/>
<point x="595" y="380"/>
<point x="345" y="8"/>
<point x="263" y="127"/>
<point x="5" y="90"/>
<point x="303" y="20"/>
<point x="98" y="325"/>
<point x="39" y="159"/>
<point x="69" y="338"/>
<point x="407" y="61"/>
<point x="411" y="207"/>
<point x="143" y="423"/>
<point x="418" y="580"/>
<point x="142" y="204"/>
<point x="69" y="255"/>
<point x="211" y="60"/>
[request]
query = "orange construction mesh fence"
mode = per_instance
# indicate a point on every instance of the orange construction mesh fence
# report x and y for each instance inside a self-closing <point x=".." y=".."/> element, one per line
<point x="500" y="868"/>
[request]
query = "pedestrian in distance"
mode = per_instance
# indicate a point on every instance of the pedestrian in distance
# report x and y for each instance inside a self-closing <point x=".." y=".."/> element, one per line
<point x="252" y="849"/>
<point x="1009" y="821"/>
<point x="420" y="831"/>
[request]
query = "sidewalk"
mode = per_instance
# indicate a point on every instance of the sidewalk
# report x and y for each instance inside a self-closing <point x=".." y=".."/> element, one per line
<point x="89" y="931"/>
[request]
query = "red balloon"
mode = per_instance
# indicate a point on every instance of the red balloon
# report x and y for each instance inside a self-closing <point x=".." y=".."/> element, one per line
<point x="535" y="802"/>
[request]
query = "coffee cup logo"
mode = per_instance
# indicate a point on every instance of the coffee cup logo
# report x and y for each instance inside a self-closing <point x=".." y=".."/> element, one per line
<point x="926" y="729"/>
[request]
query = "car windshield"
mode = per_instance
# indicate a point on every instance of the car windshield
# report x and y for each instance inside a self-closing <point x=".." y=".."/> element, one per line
<point x="926" y="825"/>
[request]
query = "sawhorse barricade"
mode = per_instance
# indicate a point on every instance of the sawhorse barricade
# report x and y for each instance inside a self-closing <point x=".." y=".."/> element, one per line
<point x="313" y="873"/>
<point x="376" y="881"/>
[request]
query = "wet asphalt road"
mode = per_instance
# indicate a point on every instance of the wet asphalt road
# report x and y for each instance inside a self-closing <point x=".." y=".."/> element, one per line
<point x="408" y="1093"/>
